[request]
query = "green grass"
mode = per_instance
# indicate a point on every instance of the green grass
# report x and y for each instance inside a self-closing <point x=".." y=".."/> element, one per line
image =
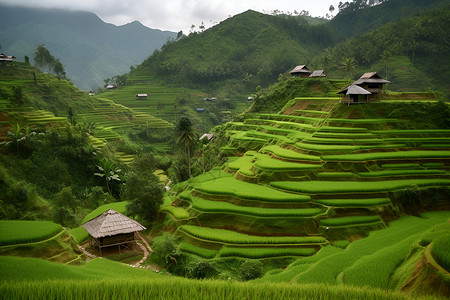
<point x="180" y="288"/>
<point x="386" y="173"/>
<point x="202" y="252"/>
<point x="401" y="166"/>
<point x="225" y="207"/>
<point x="408" y="228"/>
<point x="178" y="212"/>
<point x="363" y="202"/>
<point x="229" y="186"/>
<point x="414" y="154"/>
<point x="288" y="154"/>
<point x="236" y="238"/>
<point x="19" y="232"/>
<point x="265" y="252"/>
<point x="350" y="221"/>
<point x="324" y="187"/>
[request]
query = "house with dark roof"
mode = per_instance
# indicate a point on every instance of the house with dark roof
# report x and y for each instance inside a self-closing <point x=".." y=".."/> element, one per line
<point x="373" y="83"/>
<point x="111" y="228"/>
<point x="368" y="88"/>
<point x="301" y="70"/>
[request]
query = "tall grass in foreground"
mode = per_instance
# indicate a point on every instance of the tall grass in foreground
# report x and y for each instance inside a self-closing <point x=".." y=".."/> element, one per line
<point x="186" y="289"/>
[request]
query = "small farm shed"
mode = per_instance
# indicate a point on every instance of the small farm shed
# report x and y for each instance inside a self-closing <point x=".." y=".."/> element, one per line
<point x="354" y="94"/>
<point x="301" y="70"/>
<point x="373" y="83"/>
<point x="111" y="228"/>
<point x="318" y="73"/>
<point x="4" y="57"/>
<point x="207" y="137"/>
<point x="141" y="96"/>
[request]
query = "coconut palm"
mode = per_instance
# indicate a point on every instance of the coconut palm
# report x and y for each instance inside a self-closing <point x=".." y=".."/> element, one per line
<point x="186" y="138"/>
<point x="348" y="64"/>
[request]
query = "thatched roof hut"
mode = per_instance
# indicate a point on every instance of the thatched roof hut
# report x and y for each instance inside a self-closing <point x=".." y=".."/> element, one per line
<point x="111" y="228"/>
<point x="354" y="94"/>
<point x="301" y="70"/>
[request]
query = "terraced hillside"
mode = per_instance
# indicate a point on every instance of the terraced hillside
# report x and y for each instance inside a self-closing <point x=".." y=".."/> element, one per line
<point x="170" y="102"/>
<point x="317" y="173"/>
<point x="31" y="98"/>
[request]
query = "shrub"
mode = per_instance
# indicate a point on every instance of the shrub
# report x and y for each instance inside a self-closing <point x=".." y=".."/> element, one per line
<point x="251" y="269"/>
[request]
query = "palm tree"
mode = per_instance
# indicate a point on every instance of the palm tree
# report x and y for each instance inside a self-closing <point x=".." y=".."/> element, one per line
<point x="348" y="64"/>
<point x="186" y="138"/>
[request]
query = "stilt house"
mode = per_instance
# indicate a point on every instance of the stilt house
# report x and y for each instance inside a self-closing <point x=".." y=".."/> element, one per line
<point x="301" y="71"/>
<point x="111" y="228"/>
<point x="368" y="88"/>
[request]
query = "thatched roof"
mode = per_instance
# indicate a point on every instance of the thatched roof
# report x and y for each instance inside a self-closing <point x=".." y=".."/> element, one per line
<point x="301" y="69"/>
<point x="318" y="73"/>
<point x="354" y="90"/>
<point x="110" y="223"/>
<point x="370" y="77"/>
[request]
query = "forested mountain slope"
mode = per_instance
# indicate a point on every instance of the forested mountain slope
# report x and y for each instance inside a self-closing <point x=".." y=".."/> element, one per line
<point x="90" y="49"/>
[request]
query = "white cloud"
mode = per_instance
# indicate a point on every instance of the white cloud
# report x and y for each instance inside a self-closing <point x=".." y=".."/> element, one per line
<point x="176" y="15"/>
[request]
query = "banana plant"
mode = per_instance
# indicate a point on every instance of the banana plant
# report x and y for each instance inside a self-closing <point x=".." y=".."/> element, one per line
<point x="110" y="172"/>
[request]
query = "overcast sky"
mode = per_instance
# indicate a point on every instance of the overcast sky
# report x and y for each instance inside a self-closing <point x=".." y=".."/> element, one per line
<point x="176" y="15"/>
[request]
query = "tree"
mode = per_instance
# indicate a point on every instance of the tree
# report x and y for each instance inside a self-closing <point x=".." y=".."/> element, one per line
<point x="143" y="189"/>
<point x="331" y="9"/>
<point x="58" y="69"/>
<point x="348" y="64"/>
<point x="186" y="138"/>
<point x="43" y="59"/>
<point x="26" y="59"/>
<point x="386" y="56"/>
<point x="110" y="171"/>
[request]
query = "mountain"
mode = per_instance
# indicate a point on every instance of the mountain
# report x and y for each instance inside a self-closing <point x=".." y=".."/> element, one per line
<point x="90" y="49"/>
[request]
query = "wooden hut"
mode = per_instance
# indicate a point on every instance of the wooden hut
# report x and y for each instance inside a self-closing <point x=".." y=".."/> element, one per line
<point x="373" y="83"/>
<point x="6" y="58"/>
<point x="141" y="96"/>
<point x="111" y="228"/>
<point x="318" y="73"/>
<point x="354" y="94"/>
<point x="301" y="70"/>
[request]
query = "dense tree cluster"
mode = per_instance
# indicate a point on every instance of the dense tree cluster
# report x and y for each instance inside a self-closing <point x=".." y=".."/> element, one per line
<point x="43" y="59"/>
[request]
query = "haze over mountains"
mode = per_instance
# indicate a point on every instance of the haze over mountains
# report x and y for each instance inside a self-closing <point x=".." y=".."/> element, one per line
<point x="90" y="49"/>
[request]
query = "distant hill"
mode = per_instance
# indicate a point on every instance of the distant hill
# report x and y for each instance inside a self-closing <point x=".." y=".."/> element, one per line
<point x="90" y="49"/>
<point x="354" y="20"/>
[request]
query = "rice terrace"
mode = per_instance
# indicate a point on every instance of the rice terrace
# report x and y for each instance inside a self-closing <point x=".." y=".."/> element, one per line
<point x="272" y="155"/>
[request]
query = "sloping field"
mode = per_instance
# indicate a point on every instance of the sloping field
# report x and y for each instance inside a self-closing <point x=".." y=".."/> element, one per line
<point x="320" y="173"/>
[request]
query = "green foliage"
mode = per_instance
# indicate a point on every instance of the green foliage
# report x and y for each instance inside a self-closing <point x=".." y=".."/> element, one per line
<point x="232" y="237"/>
<point x="236" y="188"/>
<point x="143" y="189"/>
<point x="350" y="221"/>
<point x="265" y="252"/>
<point x="318" y="187"/>
<point x="18" y="232"/>
<point x="225" y="207"/>
<point x="202" y="252"/>
<point x="251" y="269"/>
<point x="165" y="246"/>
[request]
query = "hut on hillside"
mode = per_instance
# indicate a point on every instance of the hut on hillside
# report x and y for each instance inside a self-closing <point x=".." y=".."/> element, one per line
<point x="141" y="96"/>
<point x="111" y="228"/>
<point x="354" y="94"/>
<point x="301" y="70"/>
<point x="318" y="73"/>
<point x="373" y="83"/>
<point x="7" y="58"/>
<point x="368" y="88"/>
